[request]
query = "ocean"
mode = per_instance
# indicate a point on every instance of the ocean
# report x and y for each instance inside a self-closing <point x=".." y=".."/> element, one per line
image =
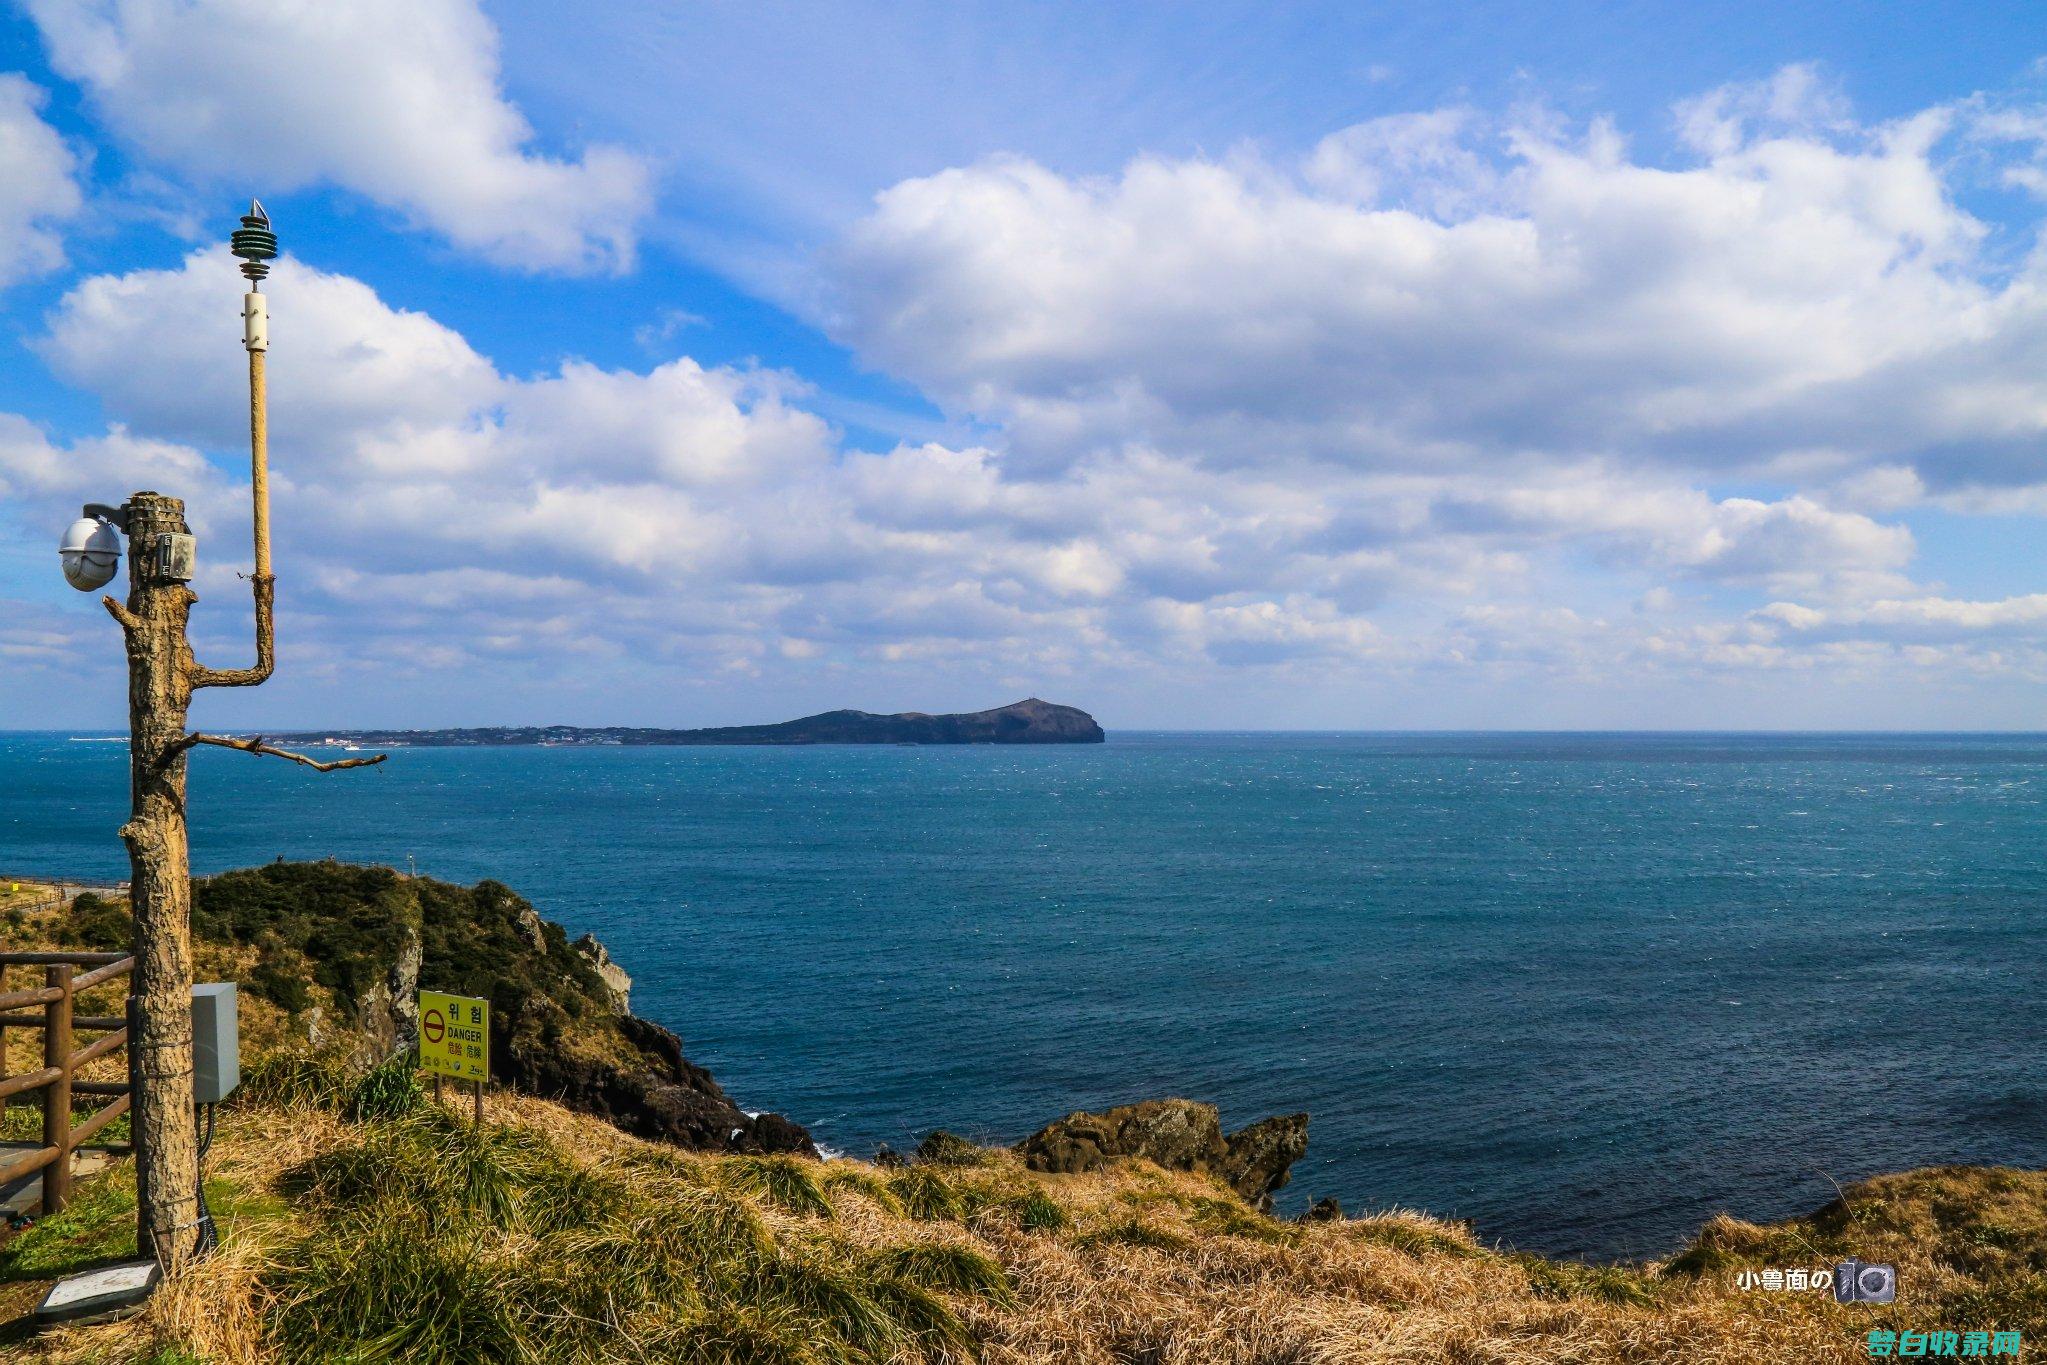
<point x="1582" y="990"/>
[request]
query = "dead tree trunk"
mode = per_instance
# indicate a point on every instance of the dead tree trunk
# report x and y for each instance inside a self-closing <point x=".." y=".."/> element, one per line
<point x="160" y="674"/>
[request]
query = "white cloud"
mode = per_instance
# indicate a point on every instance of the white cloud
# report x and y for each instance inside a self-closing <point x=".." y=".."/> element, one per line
<point x="38" y="183"/>
<point x="397" y="100"/>
<point x="160" y="347"/>
<point x="403" y="457"/>
<point x="1920" y="618"/>
<point x="49" y="481"/>
<point x="1795" y="99"/>
<point x="1417" y="407"/>
<point x="1802" y="301"/>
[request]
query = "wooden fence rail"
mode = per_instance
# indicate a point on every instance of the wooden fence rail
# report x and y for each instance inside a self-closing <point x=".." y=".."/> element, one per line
<point x="63" y="980"/>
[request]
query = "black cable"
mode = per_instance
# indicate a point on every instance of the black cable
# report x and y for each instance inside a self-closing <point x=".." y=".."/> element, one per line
<point x="209" y="1236"/>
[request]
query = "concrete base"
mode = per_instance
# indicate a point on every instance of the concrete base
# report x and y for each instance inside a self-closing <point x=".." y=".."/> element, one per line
<point x="25" y="1196"/>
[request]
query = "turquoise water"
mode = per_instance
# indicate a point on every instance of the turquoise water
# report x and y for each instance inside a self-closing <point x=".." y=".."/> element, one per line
<point x="1583" y="990"/>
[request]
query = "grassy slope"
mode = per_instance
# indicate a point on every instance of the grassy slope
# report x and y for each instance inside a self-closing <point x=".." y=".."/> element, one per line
<point x="363" y="1224"/>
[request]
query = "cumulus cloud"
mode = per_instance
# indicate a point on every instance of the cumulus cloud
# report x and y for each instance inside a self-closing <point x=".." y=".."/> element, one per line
<point x="38" y="183"/>
<point x="397" y="100"/>
<point x="1800" y="298"/>
<point x="566" y="510"/>
<point x="1449" y="394"/>
<point x="1919" y="618"/>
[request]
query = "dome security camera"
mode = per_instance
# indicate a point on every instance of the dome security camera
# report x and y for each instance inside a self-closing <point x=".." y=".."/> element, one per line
<point x="92" y="553"/>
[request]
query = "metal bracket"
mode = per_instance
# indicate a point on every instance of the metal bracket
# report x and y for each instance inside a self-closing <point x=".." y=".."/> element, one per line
<point x="118" y="516"/>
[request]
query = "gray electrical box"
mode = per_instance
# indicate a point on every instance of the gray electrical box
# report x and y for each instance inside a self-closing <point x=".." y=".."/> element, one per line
<point x="177" y="556"/>
<point x="216" y="1042"/>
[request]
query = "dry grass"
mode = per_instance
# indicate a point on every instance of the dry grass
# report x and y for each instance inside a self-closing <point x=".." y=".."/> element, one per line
<point x="1141" y="1266"/>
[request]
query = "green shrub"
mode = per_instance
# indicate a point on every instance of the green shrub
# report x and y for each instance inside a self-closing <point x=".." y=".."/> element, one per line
<point x="941" y="1148"/>
<point x="95" y="922"/>
<point x="1132" y="1231"/>
<point x="390" y="1090"/>
<point x="925" y="1194"/>
<point x="946" y="1267"/>
<point x="1039" y="1212"/>
<point x="783" y="1181"/>
<point x="295" y="1080"/>
<point x="280" y="984"/>
<point x="1227" y="1218"/>
<point x="1564" y="1281"/>
<point x="348" y="924"/>
<point x="393" y="1287"/>
<point x="1410" y="1239"/>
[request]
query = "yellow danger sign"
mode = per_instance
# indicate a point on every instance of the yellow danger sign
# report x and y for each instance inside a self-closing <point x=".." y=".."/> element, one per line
<point x="454" y="1035"/>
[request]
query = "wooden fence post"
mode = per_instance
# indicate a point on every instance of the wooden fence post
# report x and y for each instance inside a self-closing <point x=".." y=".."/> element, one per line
<point x="57" y="1097"/>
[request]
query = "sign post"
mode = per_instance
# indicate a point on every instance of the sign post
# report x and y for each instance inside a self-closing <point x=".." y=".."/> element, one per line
<point x="454" y="1040"/>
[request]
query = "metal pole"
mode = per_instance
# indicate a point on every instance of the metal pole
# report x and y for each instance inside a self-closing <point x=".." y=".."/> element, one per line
<point x="259" y="430"/>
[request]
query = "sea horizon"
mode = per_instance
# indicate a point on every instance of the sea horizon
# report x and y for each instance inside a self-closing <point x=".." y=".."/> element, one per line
<point x="1129" y="730"/>
<point x="1582" y="989"/>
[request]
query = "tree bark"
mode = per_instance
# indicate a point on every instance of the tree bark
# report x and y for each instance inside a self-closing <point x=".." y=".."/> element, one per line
<point x="160" y="675"/>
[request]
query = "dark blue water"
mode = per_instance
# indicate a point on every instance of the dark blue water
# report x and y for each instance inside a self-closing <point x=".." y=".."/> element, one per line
<point x="1583" y="990"/>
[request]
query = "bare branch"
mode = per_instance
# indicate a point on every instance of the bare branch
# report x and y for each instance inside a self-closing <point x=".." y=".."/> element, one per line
<point x="128" y="619"/>
<point x="254" y="745"/>
<point x="266" y="655"/>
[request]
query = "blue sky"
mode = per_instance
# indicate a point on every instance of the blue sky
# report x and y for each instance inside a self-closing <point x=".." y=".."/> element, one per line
<point x="1317" y="366"/>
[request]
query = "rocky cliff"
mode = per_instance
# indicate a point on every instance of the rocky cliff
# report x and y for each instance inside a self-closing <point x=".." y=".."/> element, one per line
<point x="343" y="951"/>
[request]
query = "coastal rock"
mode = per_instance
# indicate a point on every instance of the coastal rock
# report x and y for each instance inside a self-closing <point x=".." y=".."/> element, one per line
<point x="1323" y="1210"/>
<point x="616" y="982"/>
<point x="1260" y="1158"/>
<point x="1177" y="1134"/>
<point x="1180" y="1135"/>
<point x="647" y="1088"/>
<point x="387" y="1014"/>
<point x="530" y="927"/>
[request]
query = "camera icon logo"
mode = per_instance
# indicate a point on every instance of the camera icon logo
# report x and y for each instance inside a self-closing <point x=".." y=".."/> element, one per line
<point x="1861" y="1282"/>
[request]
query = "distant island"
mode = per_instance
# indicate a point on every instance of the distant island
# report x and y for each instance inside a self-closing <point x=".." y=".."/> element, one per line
<point x="1025" y="722"/>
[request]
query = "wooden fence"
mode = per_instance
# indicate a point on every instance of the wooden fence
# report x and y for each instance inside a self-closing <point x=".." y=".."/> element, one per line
<point x="65" y="977"/>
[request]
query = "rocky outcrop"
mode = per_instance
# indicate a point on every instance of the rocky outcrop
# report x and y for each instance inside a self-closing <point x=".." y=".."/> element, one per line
<point x="531" y="928"/>
<point x="1180" y="1135"/>
<point x="1260" y="1159"/>
<point x="661" y="1094"/>
<point x="1327" y="1209"/>
<point x="617" y="984"/>
<point x="344" y="950"/>
<point x="386" y="1014"/>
